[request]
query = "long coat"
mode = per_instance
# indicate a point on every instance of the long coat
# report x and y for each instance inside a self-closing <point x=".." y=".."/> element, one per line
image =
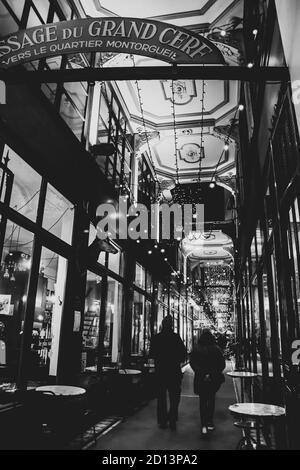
<point x="168" y="351"/>
<point x="208" y="363"/>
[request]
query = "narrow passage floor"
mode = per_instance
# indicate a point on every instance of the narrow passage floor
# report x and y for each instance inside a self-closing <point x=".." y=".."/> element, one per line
<point x="140" y="431"/>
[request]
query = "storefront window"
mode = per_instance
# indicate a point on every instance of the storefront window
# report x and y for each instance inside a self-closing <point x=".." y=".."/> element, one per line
<point x="294" y="254"/>
<point x="253" y="256"/>
<point x="115" y="262"/>
<point x="92" y="236"/>
<point x="48" y="309"/>
<point x="267" y="320"/>
<point x="58" y="215"/>
<point x="138" y="322"/>
<point x="160" y="316"/>
<point x="147" y="326"/>
<point x="14" y="279"/>
<point x="91" y="319"/>
<point x="259" y="240"/>
<point x="26" y="186"/>
<point x="149" y="283"/>
<point x="140" y="276"/>
<point x="112" y="335"/>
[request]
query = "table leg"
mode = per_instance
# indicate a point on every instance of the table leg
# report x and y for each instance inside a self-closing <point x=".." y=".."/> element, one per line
<point x="242" y="391"/>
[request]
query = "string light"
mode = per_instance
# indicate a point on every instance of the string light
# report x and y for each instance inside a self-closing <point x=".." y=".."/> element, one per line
<point x="175" y="132"/>
<point x="145" y="131"/>
<point x="226" y="148"/>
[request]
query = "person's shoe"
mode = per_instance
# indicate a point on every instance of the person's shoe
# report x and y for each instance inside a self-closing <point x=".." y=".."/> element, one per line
<point x="204" y="432"/>
<point x="211" y="427"/>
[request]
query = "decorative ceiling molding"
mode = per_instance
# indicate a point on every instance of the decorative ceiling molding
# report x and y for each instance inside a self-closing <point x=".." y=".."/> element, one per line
<point x="186" y="14"/>
<point x="184" y="91"/>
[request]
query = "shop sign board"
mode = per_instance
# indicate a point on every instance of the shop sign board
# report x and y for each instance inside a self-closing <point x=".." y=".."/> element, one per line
<point x="158" y="40"/>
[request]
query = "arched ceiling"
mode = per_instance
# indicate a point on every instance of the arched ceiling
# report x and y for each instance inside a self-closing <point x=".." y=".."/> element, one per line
<point x="209" y="18"/>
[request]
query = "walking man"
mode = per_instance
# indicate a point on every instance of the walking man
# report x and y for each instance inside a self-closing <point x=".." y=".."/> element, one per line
<point x="168" y="351"/>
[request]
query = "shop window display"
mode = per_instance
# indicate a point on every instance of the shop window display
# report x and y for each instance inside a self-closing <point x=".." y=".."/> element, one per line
<point x="48" y="311"/>
<point x="91" y="319"/>
<point x="14" y="279"/>
<point x="138" y="321"/>
<point x="112" y="335"/>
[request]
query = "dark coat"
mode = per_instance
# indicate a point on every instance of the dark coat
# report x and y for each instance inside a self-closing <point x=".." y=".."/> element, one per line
<point x="208" y="363"/>
<point x="168" y="351"/>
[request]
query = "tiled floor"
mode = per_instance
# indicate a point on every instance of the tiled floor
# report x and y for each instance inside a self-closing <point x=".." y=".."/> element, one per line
<point x="140" y="431"/>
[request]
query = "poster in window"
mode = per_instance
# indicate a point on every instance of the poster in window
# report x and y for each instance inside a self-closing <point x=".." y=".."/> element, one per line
<point x="5" y="304"/>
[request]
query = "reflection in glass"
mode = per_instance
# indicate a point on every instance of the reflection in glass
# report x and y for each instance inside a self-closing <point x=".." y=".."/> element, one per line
<point x="91" y="319"/>
<point x="58" y="215"/>
<point x="49" y="308"/>
<point x="14" y="279"/>
<point x="26" y="186"/>
<point x="138" y="320"/>
<point x="112" y="335"/>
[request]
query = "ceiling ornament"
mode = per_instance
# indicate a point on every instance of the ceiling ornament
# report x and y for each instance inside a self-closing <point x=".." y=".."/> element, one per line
<point x="223" y="132"/>
<point x="184" y="91"/>
<point x="144" y="136"/>
<point x="191" y="153"/>
<point x="228" y="181"/>
<point x="229" y="40"/>
<point x="167" y="184"/>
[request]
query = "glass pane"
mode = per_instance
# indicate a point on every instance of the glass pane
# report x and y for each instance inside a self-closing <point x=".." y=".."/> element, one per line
<point x="14" y="279"/>
<point x="147" y="327"/>
<point x="160" y="316"/>
<point x="149" y="283"/>
<point x="115" y="262"/>
<point x="17" y="6"/>
<point x="112" y="337"/>
<point x="43" y="7"/>
<point x="48" y="313"/>
<point x="92" y="236"/>
<point x="7" y="23"/>
<point x="72" y="109"/>
<point x="267" y="320"/>
<point x="90" y="333"/>
<point x="33" y="19"/>
<point x="26" y="186"/>
<point x="140" y="276"/>
<point x="58" y="215"/>
<point x="138" y="318"/>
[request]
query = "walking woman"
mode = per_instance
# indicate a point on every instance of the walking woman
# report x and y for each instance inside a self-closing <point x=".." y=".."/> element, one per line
<point x="207" y="362"/>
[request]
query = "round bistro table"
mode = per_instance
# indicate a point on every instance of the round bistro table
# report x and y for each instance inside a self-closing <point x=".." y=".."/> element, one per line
<point x="243" y="376"/>
<point x="62" y="390"/>
<point x="257" y="412"/>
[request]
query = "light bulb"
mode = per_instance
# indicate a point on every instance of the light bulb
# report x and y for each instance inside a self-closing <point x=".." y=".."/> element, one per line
<point x="149" y="252"/>
<point x="255" y="32"/>
<point x="241" y="107"/>
<point x="250" y="65"/>
<point x="226" y="147"/>
<point x="212" y="185"/>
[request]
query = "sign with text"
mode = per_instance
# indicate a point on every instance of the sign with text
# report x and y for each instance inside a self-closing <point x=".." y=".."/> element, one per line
<point x="154" y="39"/>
